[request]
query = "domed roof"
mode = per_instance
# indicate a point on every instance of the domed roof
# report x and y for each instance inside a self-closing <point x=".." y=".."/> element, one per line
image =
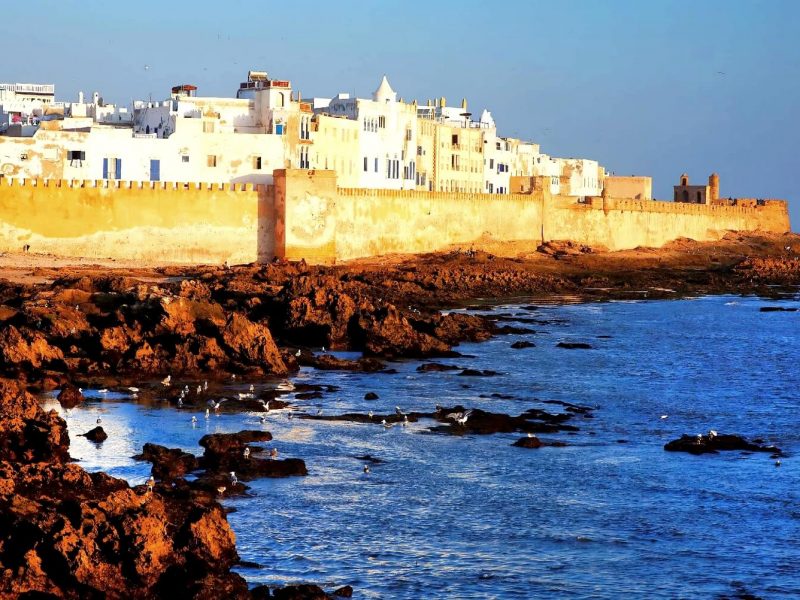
<point x="384" y="93"/>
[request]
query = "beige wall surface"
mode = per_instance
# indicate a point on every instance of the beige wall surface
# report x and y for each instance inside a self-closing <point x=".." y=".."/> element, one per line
<point x="325" y="223"/>
<point x="305" y="215"/>
<point x="157" y="223"/>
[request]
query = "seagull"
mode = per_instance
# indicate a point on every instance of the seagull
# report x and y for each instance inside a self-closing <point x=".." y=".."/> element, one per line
<point x="233" y="376"/>
<point x="167" y="381"/>
<point x="150" y="483"/>
<point x="244" y="396"/>
<point x="439" y="408"/>
<point x="99" y="420"/>
<point x="288" y="416"/>
<point x="186" y="389"/>
<point x="265" y="404"/>
<point x="180" y="403"/>
<point x="133" y="389"/>
<point x="103" y="391"/>
<point x="273" y="454"/>
<point x="205" y="385"/>
<point x="370" y="414"/>
<point x="199" y="390"/>
<point x="263" y="419"/>
<point x="366" y="469"/>
<point x="80" y="390"/>
<point x="194" y="421"/>
<point x="398" y="411"/>
<point x="405" y="420"/>
<point x="221" y="490"/>
<point x="323" y="349"/>
<point x="712" y="433"/>
<point x="385" y="424"/>
<point x="208" y="414"/>
<point x="246" y="453"/>
<point x="319" y="412"/>
<point x="252" y="388"/>
<point x="234" y="480"/>
<point x="777" y="463"/>
<point x="664" y="416"/>
<point x="530" y="435"/>
<point x="460" y="418"/>
<point x="297" y="353"/>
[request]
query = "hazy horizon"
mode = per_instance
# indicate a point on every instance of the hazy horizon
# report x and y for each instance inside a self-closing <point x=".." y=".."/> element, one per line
<point x="655" y="88"/>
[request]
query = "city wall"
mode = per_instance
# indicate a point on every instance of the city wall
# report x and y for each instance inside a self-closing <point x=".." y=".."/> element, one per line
<point x="305" y="215"/>
<point x="153" y="222"/>
<point x="322" y="223"/>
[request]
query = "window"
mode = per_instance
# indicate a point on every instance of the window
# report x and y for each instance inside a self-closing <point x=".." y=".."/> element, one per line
<point x="382" y="122"/>
<point x="185" y="158"/>
<point x="208" y="126"/>
<point x="376" y="165"/>
<point x="257" y="163"/>
<point x="455" y="140"/>
<point x="366" y="166"/>
<point x="419" y="150"/>
<point x="491" y="163"/>
<point x="409" y="133"/>
<point x="212" y="160"/>
<point x="76" y="155"/>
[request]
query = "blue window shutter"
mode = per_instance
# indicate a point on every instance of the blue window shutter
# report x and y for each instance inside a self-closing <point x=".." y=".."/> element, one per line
<point x="118" y="173"/>
<point x="155" y="170"/>
<point x="105" y="168"/>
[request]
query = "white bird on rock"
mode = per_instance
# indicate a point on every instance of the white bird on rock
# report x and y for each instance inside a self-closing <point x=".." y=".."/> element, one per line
<point x="385" y="424"/>
<point x="133" y="389"/>
<point x="366" y="469"/>
<point x="459" y="417"/>
<point x="199" y="390"/>
<point x="234" y="480"/>
<point x="167" y="381"/>
<point x="246" y="452"/>
<point x="103" y="391"/>
<point x="205" y="385"/>
<point x="194" y="421"/>
<point x="298" y="352"/>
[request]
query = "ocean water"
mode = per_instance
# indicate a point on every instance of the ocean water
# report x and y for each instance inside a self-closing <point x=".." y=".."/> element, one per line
<point x="610" y="515"/>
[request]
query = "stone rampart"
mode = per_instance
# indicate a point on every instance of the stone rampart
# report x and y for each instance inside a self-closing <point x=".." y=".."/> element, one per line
<point x="305" y="215"/>
<point x="325" y="223"/>
<point x="155" y="222"/>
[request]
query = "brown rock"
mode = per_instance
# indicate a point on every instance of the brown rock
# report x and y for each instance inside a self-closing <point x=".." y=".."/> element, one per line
<point x="70" y="396"/>
<point x="97" y="435"/>
<point x="252" y="344"/>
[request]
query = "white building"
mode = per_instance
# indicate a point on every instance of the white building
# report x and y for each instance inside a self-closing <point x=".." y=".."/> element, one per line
<point x="380" y="142"/>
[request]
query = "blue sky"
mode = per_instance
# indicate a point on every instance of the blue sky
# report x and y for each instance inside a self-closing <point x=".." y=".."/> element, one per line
<point x="646" y="87"/>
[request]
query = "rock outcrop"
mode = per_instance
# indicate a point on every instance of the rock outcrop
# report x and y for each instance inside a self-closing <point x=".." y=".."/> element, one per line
<point x="66" y="533"/>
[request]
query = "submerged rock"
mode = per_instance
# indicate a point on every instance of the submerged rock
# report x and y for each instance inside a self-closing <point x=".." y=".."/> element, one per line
<point x="714" y="443"/>
<point x="97" y="435"/>
<point x="574" y="345"/>
<point x="528" y="442"/>
<point x="522" y="344"/>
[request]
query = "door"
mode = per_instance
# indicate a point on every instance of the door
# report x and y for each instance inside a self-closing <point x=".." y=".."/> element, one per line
<point x="155" y="170"/>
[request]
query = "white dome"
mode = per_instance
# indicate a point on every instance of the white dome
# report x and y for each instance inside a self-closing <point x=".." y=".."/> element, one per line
<point x="385" y="93"/>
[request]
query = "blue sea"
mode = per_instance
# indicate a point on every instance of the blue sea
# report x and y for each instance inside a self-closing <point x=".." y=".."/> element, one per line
<point x="609" y="515"/>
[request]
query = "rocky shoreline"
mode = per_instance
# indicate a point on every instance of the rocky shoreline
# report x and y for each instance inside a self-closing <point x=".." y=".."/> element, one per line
<point x="69" y="534"/>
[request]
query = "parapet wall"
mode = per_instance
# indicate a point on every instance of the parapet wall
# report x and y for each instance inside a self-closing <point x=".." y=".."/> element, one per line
<point x="155" y="222"/>
<point x="323" y="223"/>
<point x="305" y="215"/>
